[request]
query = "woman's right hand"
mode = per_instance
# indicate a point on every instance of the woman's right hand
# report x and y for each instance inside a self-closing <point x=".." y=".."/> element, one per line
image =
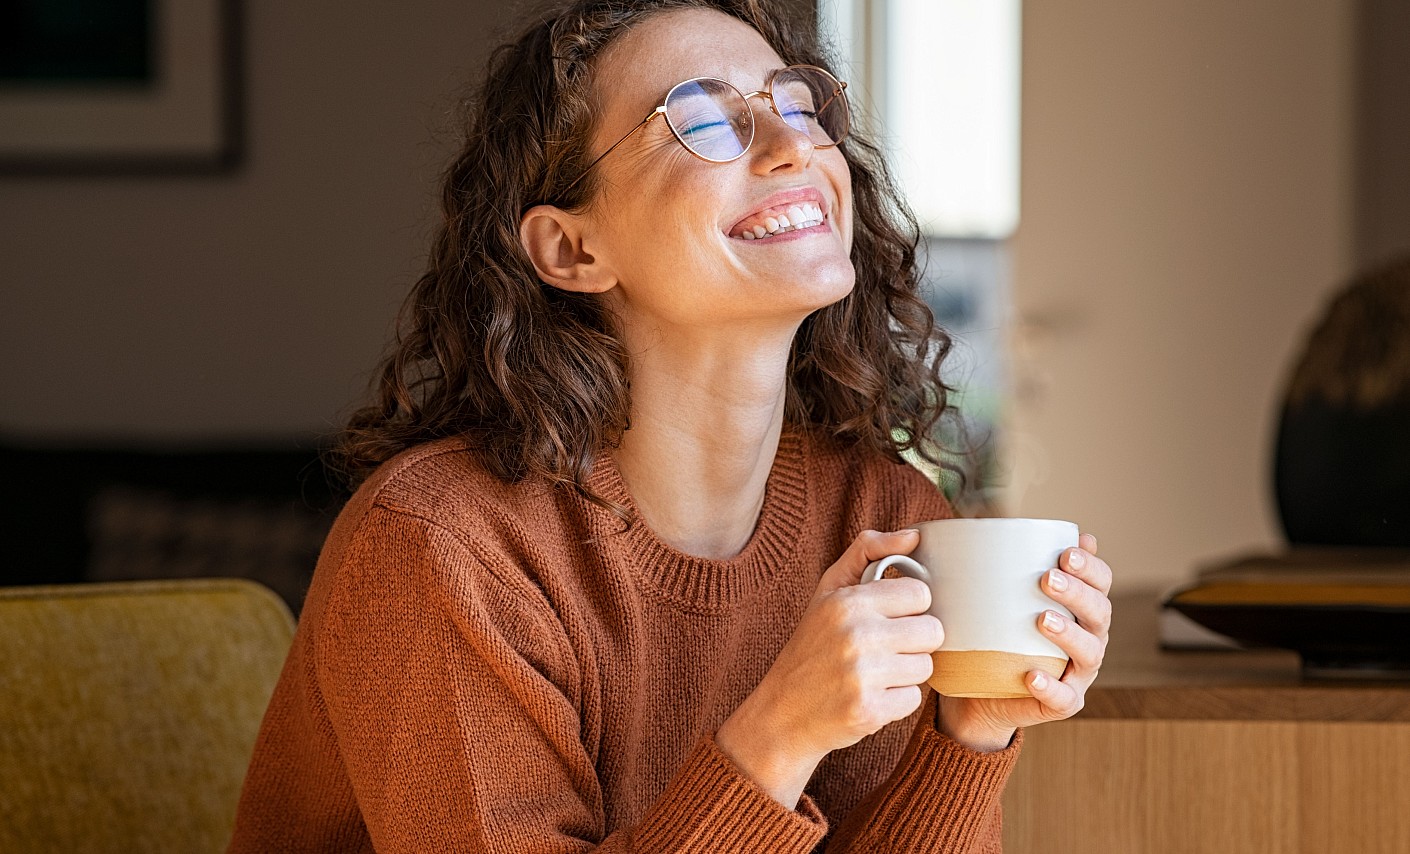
<point x="854" y="664"/>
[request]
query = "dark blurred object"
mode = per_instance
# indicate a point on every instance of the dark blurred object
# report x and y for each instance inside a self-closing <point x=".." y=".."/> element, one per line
<point x="110" y="514"/>
<point x="1345" y="611"/>
<point x="1342" y="465"/>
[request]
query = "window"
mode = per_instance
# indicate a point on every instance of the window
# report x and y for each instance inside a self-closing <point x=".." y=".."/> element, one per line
<point x="937" y="83"/>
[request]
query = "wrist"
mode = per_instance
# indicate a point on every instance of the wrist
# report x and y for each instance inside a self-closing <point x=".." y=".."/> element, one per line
<point x="765" y="754"/>
<point x="976" y="735"/>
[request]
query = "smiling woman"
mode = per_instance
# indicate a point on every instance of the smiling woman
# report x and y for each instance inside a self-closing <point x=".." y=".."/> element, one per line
<point x="598" y="588"/>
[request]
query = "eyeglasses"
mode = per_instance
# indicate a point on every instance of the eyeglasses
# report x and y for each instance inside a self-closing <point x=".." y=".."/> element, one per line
<point x="713" y="120"/>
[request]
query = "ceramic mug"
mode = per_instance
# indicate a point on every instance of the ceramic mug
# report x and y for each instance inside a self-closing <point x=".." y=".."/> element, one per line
<point x="984" y="579"/>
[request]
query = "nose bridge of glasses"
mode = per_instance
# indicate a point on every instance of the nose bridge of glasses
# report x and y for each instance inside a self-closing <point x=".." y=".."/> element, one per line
<point x="773" y="108"/>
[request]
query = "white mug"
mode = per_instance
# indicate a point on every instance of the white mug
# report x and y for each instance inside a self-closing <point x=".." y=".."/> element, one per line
<point x="984" y="579"/>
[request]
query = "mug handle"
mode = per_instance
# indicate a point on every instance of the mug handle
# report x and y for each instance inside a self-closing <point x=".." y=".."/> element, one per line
<point x="907" y="566"/>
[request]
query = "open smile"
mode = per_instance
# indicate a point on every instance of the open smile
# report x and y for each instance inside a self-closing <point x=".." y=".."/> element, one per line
<point x="788" y="212"/>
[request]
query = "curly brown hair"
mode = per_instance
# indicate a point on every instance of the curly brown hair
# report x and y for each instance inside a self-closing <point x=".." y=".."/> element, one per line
<point x="536" y="376"/>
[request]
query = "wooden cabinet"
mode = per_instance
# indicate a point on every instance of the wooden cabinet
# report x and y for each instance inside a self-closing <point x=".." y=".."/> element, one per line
<point x="1225" y="752"/>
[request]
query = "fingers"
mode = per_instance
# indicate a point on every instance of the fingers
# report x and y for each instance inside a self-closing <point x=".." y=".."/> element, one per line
<point x="1087" y="542"/>
<point x="867" y="547"/>
<point x="902" y="670"/>
<point x="900" y="702"/>
<point x="1087" y="566"/>
<point x="919" y="634"/>
<point x="1088" y="605"/>
<point x="890" y="597"/>
<point x="1086" y="650"/>
<point x="1059" y="698"/>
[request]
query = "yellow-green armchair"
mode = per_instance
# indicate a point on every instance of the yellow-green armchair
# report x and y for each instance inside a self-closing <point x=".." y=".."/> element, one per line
<point x="128" y="711"/>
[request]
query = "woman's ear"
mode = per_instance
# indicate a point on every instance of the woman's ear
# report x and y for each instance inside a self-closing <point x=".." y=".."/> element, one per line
<point x="553" y="240"/>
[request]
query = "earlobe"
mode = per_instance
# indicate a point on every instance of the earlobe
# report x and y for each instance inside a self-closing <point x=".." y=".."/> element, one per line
<point x="553" y="240"/>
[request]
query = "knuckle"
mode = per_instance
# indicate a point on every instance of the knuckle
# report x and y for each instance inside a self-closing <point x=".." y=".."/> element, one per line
<point x="918" y="592"/>
<point x="862" y="713"/>
<point x="845" y="605"/>
<point x="849" y="653"/>
<point x="937" y="631"/>
<point x="913" y="699"/>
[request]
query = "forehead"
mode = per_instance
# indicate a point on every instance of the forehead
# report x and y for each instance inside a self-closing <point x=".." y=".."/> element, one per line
<point x="637" y="69"/>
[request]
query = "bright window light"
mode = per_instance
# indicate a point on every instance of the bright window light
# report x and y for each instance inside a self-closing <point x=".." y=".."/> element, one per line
<point x="943" y="78"/>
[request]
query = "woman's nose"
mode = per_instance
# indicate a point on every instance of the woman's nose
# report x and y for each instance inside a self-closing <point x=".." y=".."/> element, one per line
<point x="777" y="144"/>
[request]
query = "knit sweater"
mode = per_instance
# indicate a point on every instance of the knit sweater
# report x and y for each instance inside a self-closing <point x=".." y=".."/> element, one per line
<point x="487" y="667"/>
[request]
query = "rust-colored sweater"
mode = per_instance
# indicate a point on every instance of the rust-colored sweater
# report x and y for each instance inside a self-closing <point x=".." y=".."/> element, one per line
<point x="491" y="668"/>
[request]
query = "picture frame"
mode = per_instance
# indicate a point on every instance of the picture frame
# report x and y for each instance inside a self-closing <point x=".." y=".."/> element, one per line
<point x="174" y="108"/>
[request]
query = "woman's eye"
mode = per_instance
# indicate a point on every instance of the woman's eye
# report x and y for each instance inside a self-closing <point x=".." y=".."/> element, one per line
<point x="706" y="127"/>
<point x="800" y="118"/>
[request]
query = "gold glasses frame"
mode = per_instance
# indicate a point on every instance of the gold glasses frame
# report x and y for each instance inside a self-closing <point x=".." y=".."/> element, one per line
<point x="839" y="91"/>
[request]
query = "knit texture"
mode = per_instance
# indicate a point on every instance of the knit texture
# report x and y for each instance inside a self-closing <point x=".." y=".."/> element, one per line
<point x="486" y="667"/>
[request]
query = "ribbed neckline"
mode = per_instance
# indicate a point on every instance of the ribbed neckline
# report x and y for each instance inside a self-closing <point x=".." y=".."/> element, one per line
<point x="709" y="583"/>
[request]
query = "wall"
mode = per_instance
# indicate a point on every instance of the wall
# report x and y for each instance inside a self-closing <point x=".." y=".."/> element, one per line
<point x="251" y="305"/>
<point x="1383" y="131"/>
<point x="254" y="304"/>
<point x="1187" y="206"/>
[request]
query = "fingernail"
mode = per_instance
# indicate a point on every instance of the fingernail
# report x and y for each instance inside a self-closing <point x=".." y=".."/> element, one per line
<point x="909" y="531"/>
<point x="1075" y="559"/>
<point x="1057" y="580"/>
<point x="1052" y="622"/>
<point x="1039" y="681"/>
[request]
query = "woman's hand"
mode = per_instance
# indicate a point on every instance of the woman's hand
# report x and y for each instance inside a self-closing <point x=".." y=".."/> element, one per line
<point x="853" y="665"/>
<point x="989" y="724"/>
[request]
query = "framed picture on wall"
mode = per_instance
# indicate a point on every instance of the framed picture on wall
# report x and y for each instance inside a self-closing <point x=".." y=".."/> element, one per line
<point x="118" y="85"/>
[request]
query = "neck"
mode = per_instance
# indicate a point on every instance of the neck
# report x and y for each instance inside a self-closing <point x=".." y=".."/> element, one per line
<point x="706" y="419"/>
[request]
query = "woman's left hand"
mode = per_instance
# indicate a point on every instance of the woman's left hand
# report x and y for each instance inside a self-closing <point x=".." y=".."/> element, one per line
<point x="989" y="724"/>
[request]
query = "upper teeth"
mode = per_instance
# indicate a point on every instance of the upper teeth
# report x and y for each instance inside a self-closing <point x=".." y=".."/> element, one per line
<point x="805" y="215"/>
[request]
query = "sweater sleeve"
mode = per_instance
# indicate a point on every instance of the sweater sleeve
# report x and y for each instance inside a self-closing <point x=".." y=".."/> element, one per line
<point x="452" y="692"/>
<point x="942" y="797"/>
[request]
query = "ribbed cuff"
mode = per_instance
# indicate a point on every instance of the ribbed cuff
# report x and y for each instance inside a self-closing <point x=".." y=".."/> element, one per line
<point x="944" y="793"/>
<point x="711" y="807"/>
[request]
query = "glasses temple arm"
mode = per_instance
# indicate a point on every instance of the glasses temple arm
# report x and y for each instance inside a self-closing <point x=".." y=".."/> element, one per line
<point x="835" y="93"/>
<point x="661" y="110"/>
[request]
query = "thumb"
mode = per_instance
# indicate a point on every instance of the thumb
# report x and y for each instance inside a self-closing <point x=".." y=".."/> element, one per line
<point x="867" y="547"/>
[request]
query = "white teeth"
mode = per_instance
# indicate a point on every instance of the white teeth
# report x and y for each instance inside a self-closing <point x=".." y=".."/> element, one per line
<point x="795" y="217"/>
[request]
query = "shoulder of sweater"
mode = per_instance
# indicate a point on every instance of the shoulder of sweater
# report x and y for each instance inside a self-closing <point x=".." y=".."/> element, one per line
<point x="438" y="490"/>
<point x="445" y="483"/>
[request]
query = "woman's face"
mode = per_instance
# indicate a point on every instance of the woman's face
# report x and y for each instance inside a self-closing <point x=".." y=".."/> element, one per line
<point x="667" y="223"/>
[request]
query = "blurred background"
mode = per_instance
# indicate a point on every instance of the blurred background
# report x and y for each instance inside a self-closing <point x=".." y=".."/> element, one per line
<point x="190" y="311"/>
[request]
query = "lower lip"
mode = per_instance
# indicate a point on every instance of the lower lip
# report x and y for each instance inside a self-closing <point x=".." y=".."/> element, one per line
<point x="821" y="228"/>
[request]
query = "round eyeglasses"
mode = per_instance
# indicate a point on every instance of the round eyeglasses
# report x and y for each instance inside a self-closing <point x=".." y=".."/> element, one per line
<point x="714" y="121"/>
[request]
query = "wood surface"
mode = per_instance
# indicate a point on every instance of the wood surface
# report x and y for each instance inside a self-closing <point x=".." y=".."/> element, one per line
<point x="1140" y="681"/>
<point x="1214" y="752"/>
<point x="1168" y="787"/>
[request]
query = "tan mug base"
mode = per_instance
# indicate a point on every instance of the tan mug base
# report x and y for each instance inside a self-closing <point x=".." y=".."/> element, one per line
<point x="989" y="673"/>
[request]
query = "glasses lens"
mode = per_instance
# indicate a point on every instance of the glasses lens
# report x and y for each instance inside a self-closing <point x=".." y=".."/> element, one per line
<point x="811" y="101"/>
<point x="711" y="117"/>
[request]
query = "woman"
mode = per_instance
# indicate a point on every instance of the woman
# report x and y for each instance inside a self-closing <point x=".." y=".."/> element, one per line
<point x="656" y="381"/>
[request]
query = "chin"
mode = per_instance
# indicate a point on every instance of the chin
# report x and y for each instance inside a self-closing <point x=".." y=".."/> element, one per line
<point x="824" y="284"/>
